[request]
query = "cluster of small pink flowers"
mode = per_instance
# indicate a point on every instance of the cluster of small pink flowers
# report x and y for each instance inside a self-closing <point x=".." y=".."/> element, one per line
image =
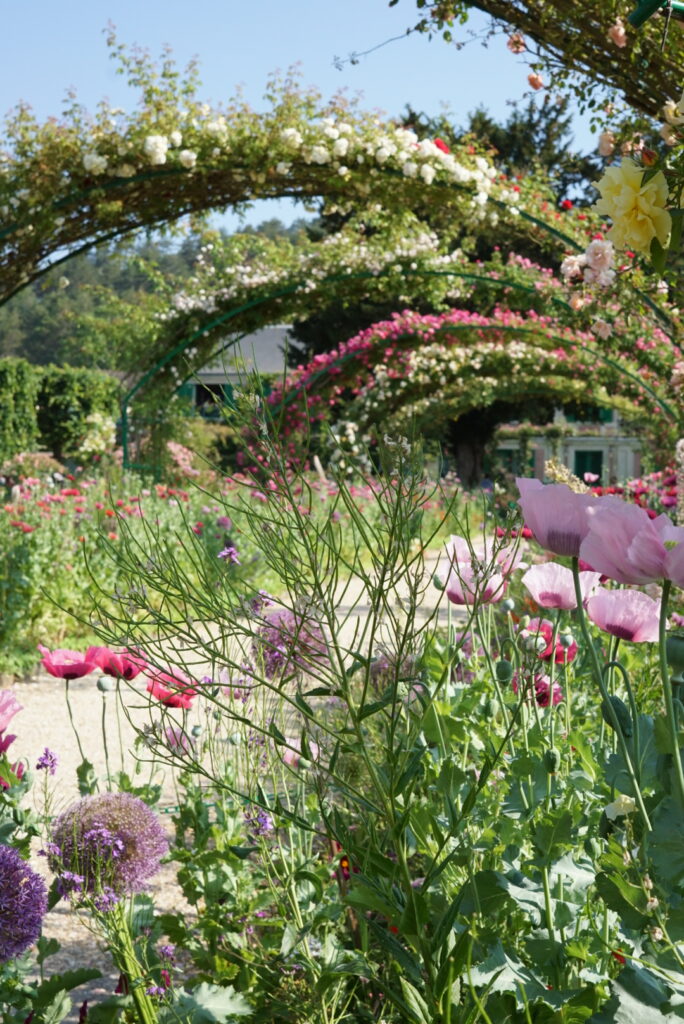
<point x="595" y="266"/>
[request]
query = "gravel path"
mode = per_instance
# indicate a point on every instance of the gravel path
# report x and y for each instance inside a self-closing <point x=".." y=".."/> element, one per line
<point x="44" y="722"/>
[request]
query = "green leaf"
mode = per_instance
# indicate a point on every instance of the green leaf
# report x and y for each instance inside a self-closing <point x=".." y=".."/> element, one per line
<point x="553" y="835"/>
<point x="628" y="900"/>
<point x="46" y="948"/>
<point x="57" y="1009"/>
<point x="638" y="998"/>
<point x="658" y="257"/>
<point x="415" y="1002"/>
<point x="52" y="986"/>
<point x="666" y="843"/>
<point x="87" y="779"/>
<point x="208" y="1004"/>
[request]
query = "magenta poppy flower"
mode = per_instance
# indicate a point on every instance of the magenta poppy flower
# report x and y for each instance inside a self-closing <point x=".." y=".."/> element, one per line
<point x="542" y="629"/>
<point x="552" y="585"/>
<point x="627" y="614"/>
<point x="542" y="690"/>
<point x="121" y="664"/>
<point x="624" y="543"/>
<point x="174" y="689"/>
<point x="556" y="515"/>
<point x="65" y="664"/>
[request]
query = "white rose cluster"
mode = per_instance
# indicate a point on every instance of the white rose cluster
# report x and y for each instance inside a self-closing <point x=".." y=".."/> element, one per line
<point x="594" y="266"/>
<point x="94" y="163"/>
<point x="155" y="148"/>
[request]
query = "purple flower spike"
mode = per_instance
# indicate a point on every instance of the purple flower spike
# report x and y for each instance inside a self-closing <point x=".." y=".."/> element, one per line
<point x="48" y="761"/>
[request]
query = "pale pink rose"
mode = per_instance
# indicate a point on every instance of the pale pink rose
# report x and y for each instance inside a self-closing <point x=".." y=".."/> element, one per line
<point x="606" y="144"/>
<point x="617" y="33"/>
<point x="516" y="42"/>
<point x="535" y="81"/>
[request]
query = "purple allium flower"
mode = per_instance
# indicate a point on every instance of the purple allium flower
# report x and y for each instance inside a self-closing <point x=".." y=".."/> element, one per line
<point x="230" y="553"/>
<point x="23" y="902"/>
<point x="259" y="824"/>
<point x="113" y="840"/>
<point x="47" y="760"/>
<point x="288" y="642"/>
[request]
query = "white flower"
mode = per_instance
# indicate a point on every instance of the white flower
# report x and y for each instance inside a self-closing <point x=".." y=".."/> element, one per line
<point x="343" y="171"/>
<point x="319" y="155"/>
<point x="94" y="163"/>
<point x="155" y="148"/>
<point x="63" y="282"/>
<point x="188" y="158"/>
<point x="409" y="169"/>
<point x="668" y="134"/>
<point x="427" y="173"/>
<point x="572" y="267"/>
<point x="620" y="807"/>
<point x="382" y="153"/>
<point x="175" y="139"/>
<point x="340" y="147"/>
<point x="123" y="171"/>
<point x="283" y="168"/>
<point x="291" y="137"/>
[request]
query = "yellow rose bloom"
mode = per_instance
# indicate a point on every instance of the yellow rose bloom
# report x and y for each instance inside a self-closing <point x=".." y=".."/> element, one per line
<point x="637" y="211"/>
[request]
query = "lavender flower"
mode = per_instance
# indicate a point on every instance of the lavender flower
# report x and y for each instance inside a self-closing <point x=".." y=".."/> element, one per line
<point x="23" y="902"/>
<point x="230" y="554"/>
<point x="288" y="642"/>
<point x="47" y="760"/>
<point x="259" y="824"/>
<point x="112" y="842"/>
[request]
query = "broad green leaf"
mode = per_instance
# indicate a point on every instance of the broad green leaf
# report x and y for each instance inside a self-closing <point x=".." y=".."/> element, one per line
<point x="210" y="1004"/>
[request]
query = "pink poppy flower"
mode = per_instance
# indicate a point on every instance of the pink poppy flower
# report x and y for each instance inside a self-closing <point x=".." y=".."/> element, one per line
<point x="624" y="543"/>
<point x="552" y="585"/>
<point x="65" y="664"/>
<point x="627" y="614"/>
<point x="174" y="689"/>
<point x="556" y="515"/>
<point x="121" y="664"/>
<point x="542" y="629"/>
<point x="9" y="707"/>
<point x="472" y="577"/>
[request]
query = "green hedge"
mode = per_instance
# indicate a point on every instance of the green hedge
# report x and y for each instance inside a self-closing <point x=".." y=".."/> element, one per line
<point x="67" y="395"/>
<point x="18" y="394"/>
<point x="47" y="406"/>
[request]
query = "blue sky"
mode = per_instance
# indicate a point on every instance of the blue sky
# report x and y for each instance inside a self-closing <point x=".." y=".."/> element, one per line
<point x="49" y="47"/>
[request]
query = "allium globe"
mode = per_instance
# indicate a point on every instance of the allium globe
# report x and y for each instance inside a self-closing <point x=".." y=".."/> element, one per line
<point x="106" y="845"/>
<point x="23" y="903"/>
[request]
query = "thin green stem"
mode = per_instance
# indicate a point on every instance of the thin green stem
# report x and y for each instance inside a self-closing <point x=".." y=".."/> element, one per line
<point x="670" y="712"/>
<point x="600" y="682"/>
<point x="104" y="740"/>
<point x="71" y="719"/>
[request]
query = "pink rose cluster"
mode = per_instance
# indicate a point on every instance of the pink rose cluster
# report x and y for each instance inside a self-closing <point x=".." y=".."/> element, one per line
<point x="170" y="686"/>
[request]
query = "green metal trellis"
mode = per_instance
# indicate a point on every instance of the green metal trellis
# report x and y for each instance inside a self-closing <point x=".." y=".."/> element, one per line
<point x="332" y="279"/>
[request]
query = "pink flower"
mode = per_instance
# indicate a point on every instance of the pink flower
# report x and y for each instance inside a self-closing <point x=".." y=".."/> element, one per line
<point x="535" y="80"/>
<point x="542" y="629"/>
<point x="591" y="478"/>
<point x="552" y="585"/>
<point x="65" y="664"/>
<point x="556" y="515"/>
<point x="627" y="614"/>
<point x="9" y="706"/>
<point x="172" y="688"/>
<point x="624" y="543"/>
<point x="291" y="754"/>
<point x="476" y="575"/>
<point x="617" y="33"/>
<point x="516" y="42"/>
<point x="542" y="689"/>
<point x="123" y="664"/>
